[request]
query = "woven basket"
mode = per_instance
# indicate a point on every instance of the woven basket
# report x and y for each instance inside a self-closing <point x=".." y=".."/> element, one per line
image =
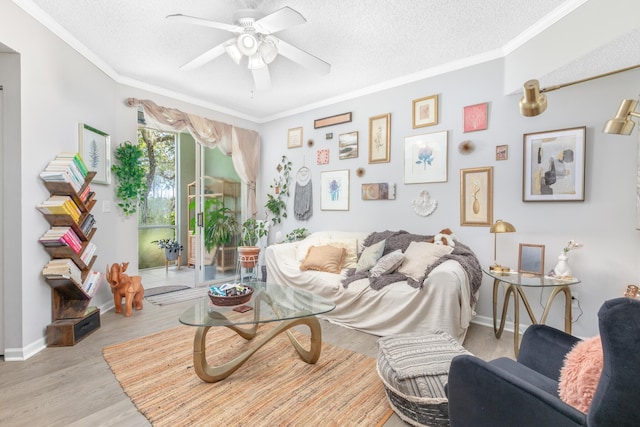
<point x="231" y="300"/>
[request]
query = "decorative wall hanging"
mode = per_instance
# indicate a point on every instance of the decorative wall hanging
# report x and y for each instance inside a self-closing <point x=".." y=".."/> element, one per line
<point x="322" y="156"/>
<point x="303" y="199"/>
<point x="425" y="158"/>
<point x="475" y="117"/>
<point x="95" y="149"/>
<point x="476" y="196"/>
<point x="466" y="147"/>
<point x="333" y="120"/>
<point x="360" y="172"/>
<point x="425" y="111"/>
<point x="502" y="152"/>
<point x="379" y="191"/>
<point x="294" y="138"/>
<point x="423" y="205"/>
<point x="380" y="138"/>
<point x="348" y="145"/>
<point x="334" y="190"/>
<point x="554" y="164"/>
<point x="310" y="143"/>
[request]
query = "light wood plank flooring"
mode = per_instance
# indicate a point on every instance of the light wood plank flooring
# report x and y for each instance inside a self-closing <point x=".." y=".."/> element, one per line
<point x="73" y="386"/>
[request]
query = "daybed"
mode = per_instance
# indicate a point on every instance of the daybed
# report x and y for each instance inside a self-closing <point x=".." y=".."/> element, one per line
<point x="391" y="303"/>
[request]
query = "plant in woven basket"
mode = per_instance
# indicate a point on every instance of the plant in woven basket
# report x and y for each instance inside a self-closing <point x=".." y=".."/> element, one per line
<point x="131" y="177"/>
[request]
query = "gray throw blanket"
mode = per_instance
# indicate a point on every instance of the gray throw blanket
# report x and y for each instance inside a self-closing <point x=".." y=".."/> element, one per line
<point x="401" y="240"/>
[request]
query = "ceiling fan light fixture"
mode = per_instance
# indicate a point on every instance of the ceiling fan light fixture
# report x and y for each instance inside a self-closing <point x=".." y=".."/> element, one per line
<point x="268" y="50"/>
<point x="233" y="51"/>
<point x="247" y="44"/>
<point x="256" y="62"/>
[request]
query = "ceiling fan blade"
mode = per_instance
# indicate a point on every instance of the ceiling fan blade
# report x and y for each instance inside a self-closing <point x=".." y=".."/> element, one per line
<point x="206" y="23"/>
<point x="279" y="20"/>
<point x="261" y="78"/>
<point x="303" y="58"/>
<point x="206" y="57"/>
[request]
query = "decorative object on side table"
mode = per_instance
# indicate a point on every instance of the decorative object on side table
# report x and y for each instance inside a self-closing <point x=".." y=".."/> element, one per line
<point x="499" y="227"/>
<point x="562" y="268"/>
<point x="531" y="259"/>
<point x="230" y="294"/>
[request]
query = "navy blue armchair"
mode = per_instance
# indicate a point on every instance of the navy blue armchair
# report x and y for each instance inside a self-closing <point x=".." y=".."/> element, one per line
<point x="524" y="393"/>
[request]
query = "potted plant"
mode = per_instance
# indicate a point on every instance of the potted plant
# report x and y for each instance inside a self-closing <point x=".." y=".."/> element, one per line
<point x="276" y="205"/>
<point x="220" y="227"/>
<point x="131" y="176"/>
<point x="172" y="248"/>
<point x="252" y="231"/>
<point x="296" y="234"/>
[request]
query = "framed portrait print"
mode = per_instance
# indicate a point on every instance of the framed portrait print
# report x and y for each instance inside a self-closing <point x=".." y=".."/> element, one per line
<point x="502" y="152"/>
<point x="425" y="158"/>
<point x="348" y="145"/>
<point x="476" y="196"/>
<point x="553" y="167"/>
<point x="380" y="138"/>
<point x="475" y="117"/>
<point x="334" y="190"/>
<point x="294" y="138"/>
<point x="425" y="111"/>
<point x="95" y="149"/>
<point x="531" y="259"/>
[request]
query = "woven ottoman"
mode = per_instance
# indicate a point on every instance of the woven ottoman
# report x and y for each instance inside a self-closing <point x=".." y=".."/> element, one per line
<point x="414" y="369"/>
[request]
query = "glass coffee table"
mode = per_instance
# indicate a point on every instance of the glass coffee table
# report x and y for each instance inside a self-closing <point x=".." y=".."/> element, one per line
<point x="270" y="303"/>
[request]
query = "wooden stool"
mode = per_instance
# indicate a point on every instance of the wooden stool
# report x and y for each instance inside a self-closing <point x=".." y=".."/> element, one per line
<point x="166" y="264"/>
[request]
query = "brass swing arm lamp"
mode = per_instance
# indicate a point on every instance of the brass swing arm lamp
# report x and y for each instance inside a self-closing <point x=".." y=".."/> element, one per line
<point x="534" y="100"/>
<point x="622" y="124"/>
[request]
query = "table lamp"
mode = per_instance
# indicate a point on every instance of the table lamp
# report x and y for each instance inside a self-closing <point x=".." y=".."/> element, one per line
<point x="500" y="226"/>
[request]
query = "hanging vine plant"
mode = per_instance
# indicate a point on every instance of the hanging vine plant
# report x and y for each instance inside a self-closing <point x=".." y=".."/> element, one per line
<point x="131" y="177"/>
<point x="277" y="202"/>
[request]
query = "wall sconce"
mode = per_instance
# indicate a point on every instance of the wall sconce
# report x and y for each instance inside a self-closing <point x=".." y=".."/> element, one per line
<point x="534" y="100"/>
<point x="622" y="124"/>
<point x="500" y="226"/>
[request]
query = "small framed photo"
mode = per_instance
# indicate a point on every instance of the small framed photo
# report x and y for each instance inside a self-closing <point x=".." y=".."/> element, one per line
<point x="476" y="196"/>
<point x="554" y="165"/>
<point x="294" y="138"/>
<point x="502" y="152"/>
<point x="378" y="191"/>
<point x="380" y="138"/>
<point x="95" y="149"/>
<point x="425" y="158"/>
<point x="476" y="117"/>
<point x="348" y="145"/>
<point x="322" y="156"/>
<point x="425" y="111"/>
<point x="531" y="259"/>
<point x="334" y="190"/>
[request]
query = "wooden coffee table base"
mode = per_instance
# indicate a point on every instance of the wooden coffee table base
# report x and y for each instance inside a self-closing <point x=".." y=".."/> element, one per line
<point x="213" y="374"/>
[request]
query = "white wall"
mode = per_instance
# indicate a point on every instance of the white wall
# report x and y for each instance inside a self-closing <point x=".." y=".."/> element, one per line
<point x="604" y="222"/>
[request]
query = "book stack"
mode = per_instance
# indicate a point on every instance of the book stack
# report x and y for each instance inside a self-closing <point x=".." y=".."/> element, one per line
<point x="86" y="195"/>
<point x="87" y="224"/>
<point x="92" y="282"/>
<point x="66" y="167"/>
<point x="63" y="268"/>
<point x="60" y="205"/>
<point x="88" y="253"/>
<point x="61" y="236"/>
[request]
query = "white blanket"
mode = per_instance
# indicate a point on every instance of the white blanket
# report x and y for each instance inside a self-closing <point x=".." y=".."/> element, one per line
<point x="442" y="304"/>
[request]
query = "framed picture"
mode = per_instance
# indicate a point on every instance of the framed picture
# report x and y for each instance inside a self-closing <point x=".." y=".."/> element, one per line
<point x="333" y="120"/>
<point x="553" y="167"/>
<point x="294" y="138"/>
<point x="322" y="156"/>
<point x="476" y="196"/>
<point x="95" y="149"/>
<point x="380" y="138"/>
<point x="348" y="145"/>
<point x="502" y="152"/>
<point x="425" y="158"/>
<point x="475" y="117"/>
<point x="425" y="111"/>
<point x="531" y="259"/>
<point x="334" y="190"/>
<point x="379" y="191"/>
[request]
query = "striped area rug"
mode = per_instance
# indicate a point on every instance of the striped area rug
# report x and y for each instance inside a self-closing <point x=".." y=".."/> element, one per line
<point x="178" y="296"/>
<point x="273" y="388"/>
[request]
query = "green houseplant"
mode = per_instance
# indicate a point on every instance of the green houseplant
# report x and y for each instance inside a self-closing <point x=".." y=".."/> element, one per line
<point x="172" y="248"/>
<point x="252" y="231"/>
<point x="277" y="202"/>
<point x="131" y="177"/>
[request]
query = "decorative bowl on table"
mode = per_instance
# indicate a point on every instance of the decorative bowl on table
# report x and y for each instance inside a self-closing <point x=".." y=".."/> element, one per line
<point x="230" y="300"/>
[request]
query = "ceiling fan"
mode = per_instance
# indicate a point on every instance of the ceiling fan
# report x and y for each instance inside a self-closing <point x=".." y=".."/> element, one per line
<point x="256" y="42"/>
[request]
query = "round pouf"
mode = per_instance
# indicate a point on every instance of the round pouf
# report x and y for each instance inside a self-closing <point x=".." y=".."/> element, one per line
<point x="414" y="369"/>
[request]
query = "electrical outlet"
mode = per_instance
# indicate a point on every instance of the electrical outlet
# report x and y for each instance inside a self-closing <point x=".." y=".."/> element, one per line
<point x="574" y="299"/>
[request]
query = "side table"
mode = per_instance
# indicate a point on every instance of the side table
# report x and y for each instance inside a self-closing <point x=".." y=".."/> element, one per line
<point x="515" y="282"/>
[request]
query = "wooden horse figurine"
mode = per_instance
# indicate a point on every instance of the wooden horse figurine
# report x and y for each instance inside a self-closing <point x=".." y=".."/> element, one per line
<point x="123" y="285"/>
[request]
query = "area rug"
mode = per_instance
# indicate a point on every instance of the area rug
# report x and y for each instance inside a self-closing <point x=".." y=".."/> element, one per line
<point x="159" y="290"/>
<point x="273" y="388"/>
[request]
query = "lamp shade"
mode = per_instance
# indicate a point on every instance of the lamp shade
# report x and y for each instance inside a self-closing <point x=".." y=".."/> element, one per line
<point x="532" y="102"/>
<point x="622" y="124"/>
<point x="501" y="226"/>
<point x="247" y="44"/>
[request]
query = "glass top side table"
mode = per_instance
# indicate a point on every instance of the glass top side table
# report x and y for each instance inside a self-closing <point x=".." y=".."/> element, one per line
<point x="515" y="282"/>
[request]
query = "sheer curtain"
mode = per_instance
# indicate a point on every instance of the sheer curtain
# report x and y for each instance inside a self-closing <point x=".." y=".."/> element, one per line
<point x="243" y="145"/>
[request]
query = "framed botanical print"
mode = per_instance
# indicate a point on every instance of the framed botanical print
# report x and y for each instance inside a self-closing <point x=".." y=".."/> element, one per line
<point x="95" y="149"/>
<point x="476" y="196"/>
<point x="425" y="111"/>
<point x="425" y="158"/>
<point x="334" y="190"/>
<point x="475" y="117"/>
<point x="380" y="138"/>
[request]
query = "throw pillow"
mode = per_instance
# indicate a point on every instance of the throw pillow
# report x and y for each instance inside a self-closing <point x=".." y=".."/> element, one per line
<point x="387" y="264"/>
<point x="324" y="258"/>
<point x="351" y="255"/>
<point x="580" y="374"/>
<point x="369" y="256"/>
<point x="419" y="256"/>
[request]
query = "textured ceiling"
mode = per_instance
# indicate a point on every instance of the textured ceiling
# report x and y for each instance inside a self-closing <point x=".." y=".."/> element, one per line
<point x="369" y="44"/>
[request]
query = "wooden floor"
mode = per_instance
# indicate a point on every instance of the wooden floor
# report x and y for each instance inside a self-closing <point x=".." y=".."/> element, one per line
<point x="73" y="386"/>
